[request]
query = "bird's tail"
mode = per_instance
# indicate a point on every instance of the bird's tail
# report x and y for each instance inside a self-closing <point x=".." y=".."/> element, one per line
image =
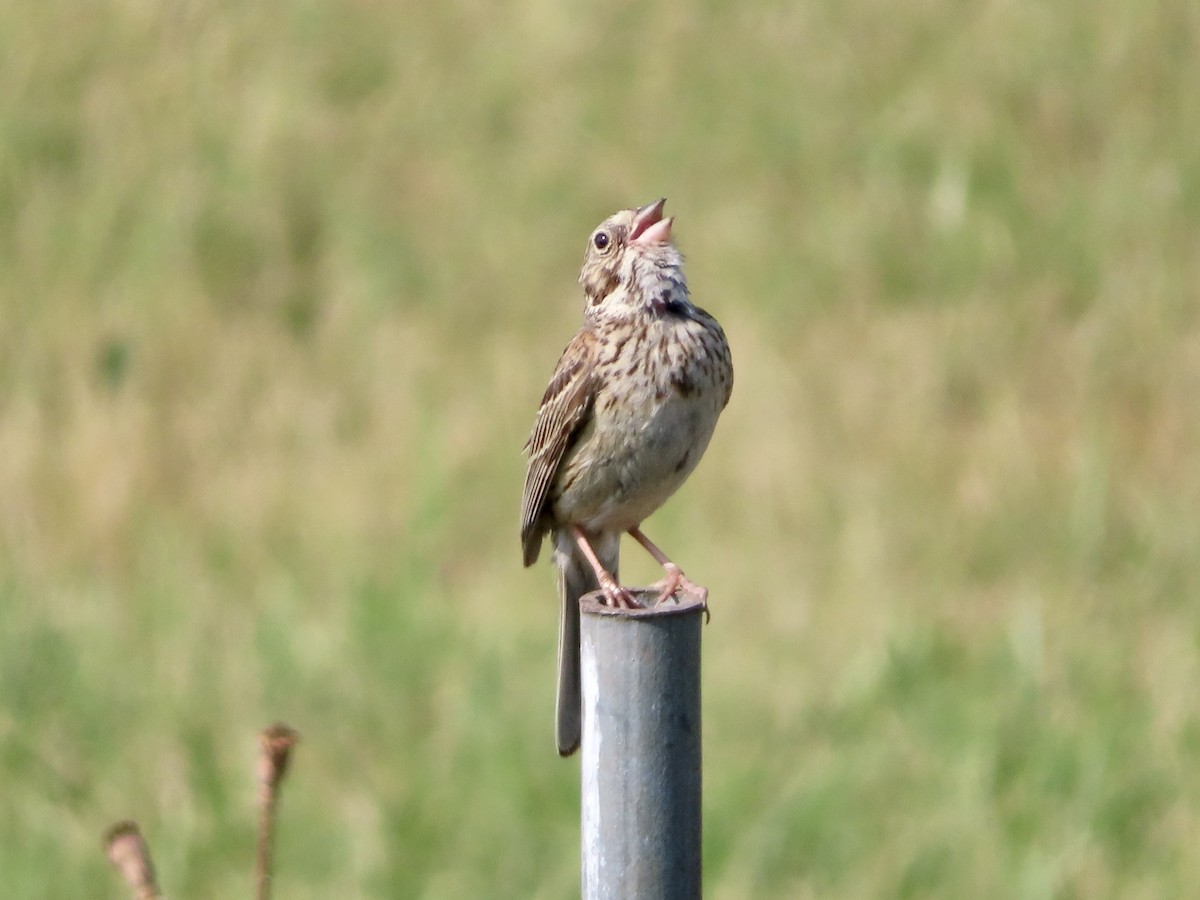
<point x="575" y="578"/>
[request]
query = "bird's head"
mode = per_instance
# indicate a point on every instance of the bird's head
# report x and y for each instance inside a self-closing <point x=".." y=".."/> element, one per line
<point x="627" y="248"/>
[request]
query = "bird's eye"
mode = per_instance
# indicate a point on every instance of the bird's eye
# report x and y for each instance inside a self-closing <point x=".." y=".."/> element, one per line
<point x="600" y="240"/>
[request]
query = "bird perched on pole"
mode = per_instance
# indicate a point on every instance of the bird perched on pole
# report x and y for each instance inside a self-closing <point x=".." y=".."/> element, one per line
<point x="628" y="413"/>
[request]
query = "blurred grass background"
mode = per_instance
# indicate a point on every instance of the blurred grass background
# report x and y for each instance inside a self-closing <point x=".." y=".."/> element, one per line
<point x="282" y="284"/>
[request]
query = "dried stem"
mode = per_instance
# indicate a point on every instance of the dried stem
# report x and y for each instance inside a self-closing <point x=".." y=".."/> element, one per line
<point x="130" y="855"/>
<point x="277" y="742"/>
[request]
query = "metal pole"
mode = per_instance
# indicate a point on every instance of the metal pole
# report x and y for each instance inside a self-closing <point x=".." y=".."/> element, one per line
<point x="641" y="749"/>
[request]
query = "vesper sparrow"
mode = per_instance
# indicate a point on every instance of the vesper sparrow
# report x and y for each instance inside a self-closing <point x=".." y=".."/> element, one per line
<point x="629" y="411"/>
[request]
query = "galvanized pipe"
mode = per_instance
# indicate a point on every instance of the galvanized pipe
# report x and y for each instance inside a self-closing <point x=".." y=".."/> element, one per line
<point x="641" y="750"/>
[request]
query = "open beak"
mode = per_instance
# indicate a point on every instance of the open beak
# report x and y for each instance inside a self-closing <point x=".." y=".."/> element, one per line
<point x="649" y="226"/>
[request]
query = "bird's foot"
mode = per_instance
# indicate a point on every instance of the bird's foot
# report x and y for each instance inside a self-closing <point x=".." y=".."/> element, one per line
<point x="616" y="596"/>
<point x="675" y="581"/>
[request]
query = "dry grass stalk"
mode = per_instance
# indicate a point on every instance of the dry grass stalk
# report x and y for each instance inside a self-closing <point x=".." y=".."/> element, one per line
<point x="277" y="742"/>
<point x="129" y="854"/>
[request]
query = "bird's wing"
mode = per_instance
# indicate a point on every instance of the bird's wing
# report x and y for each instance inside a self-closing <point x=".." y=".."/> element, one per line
<point x="565" y="408"/>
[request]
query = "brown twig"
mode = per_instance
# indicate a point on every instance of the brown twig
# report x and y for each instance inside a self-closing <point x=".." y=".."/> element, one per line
<point x="277" y="742"/>
<point x="129" y="854"/>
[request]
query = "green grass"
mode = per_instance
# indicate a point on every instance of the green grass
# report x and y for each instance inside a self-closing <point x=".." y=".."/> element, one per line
<point x="281" y="285"/>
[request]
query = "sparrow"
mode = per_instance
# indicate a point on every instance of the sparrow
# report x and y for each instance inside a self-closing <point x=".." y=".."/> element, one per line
<point x="627" y="415"/>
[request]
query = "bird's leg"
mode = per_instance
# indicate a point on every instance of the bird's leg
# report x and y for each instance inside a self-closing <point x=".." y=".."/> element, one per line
<point x="614" y="594"/>
<point x="675" y="579"/>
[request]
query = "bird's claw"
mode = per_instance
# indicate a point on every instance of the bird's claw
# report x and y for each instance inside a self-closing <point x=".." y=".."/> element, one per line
<point x="676" y="581"/>
<point x="616" y="596"/>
